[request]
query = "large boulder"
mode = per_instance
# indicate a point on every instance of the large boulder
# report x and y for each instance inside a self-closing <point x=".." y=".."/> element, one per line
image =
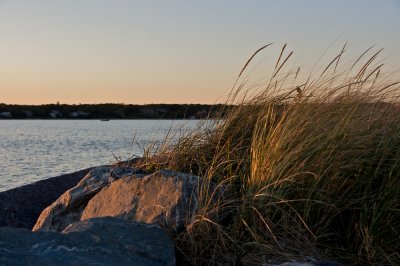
<point x="166" y="198"/>
<point x="100" y="241"/>
<point x="69" y="206"/>
<point x="21" y="206"/>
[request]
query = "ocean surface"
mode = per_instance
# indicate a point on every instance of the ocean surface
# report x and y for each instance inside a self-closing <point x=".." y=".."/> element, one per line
<point x="31" y="150"/>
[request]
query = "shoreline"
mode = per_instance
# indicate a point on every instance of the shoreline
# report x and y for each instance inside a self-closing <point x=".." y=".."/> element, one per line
<point x="99" y="119"/>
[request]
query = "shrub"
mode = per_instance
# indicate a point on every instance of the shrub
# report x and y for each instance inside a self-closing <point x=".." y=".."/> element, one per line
<point x="308" y="168"/>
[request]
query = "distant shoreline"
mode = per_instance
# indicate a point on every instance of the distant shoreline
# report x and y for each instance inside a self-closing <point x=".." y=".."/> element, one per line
<point x="96" y="119"/>
<point x="109" y="111"/>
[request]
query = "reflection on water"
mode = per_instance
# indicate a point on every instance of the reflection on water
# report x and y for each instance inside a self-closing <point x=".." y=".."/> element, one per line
<point x="32" y="150"/>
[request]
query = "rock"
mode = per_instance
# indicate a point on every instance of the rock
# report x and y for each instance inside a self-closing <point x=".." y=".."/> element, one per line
<point x="100" y="241"/>
<point x="314" y="263"/>
<point x="21" y="206"/>
<point x="166" y="198"/>
<point x="69" y="206"/>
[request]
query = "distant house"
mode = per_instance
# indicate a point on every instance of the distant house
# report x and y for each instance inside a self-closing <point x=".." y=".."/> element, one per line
<point x="5" y="114"/>
<point x="78" y="114"/>
<point x="55" y="114"/>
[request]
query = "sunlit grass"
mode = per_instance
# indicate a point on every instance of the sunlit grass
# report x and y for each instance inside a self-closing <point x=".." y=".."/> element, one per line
<point x="308" y="168"/>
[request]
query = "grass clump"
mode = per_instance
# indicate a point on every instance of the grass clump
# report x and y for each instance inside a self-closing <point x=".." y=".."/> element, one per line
<point x="308" y="168"/>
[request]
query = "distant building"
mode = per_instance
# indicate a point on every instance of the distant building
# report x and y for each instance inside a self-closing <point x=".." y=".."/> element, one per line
<point x="5" y="114"/>
<point x="78" y="114"/>
<point x="55" y="114"/>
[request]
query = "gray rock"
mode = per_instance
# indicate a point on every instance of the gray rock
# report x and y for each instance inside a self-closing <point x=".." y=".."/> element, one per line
<point x="68" y="208"/>
<point x="100" y="241"/>
<point x="314" y="263"/>
<point x="291" y="264"/>
<point x="21" y="206"/>
<point x="166" y="198"/>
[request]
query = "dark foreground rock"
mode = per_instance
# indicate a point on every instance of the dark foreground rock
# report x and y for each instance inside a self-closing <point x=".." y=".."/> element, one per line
<point x="166" y="198"/>
<point x="310" y="263"/>
<point x="69" y="206"/>
<point x="100" y="241"/>
<point x="21" y="206"/>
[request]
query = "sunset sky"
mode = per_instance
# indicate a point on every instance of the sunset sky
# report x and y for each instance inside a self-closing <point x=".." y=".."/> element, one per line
<point x="97" y="51"/>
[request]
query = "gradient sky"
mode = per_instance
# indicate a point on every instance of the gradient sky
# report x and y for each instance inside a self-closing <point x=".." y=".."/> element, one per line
<point x="97" y="51"/>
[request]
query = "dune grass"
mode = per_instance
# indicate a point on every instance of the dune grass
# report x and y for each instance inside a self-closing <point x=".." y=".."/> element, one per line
<point x="308" y="168"/>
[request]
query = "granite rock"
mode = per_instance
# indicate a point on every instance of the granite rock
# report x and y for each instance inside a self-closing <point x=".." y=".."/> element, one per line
<point x="69" y="206"/>
<point x="166" y="198"/>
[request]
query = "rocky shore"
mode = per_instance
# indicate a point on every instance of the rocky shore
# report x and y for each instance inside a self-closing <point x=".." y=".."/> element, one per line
<point x="108" y="215"/>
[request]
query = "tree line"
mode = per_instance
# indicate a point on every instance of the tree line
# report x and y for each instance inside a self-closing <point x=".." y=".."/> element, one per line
<point x="109" y="111"/>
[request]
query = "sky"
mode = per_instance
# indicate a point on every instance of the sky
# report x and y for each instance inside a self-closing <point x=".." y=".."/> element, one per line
<point x="176" y="51"/>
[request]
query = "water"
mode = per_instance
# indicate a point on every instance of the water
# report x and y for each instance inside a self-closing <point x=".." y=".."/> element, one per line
<point x="32" y="150"/>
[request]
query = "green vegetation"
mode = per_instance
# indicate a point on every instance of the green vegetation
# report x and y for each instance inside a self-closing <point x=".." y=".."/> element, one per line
<point x="307" y="168"/>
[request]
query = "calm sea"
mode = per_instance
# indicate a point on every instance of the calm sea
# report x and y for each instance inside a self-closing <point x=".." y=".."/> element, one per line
<point x="32" y="150"/>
